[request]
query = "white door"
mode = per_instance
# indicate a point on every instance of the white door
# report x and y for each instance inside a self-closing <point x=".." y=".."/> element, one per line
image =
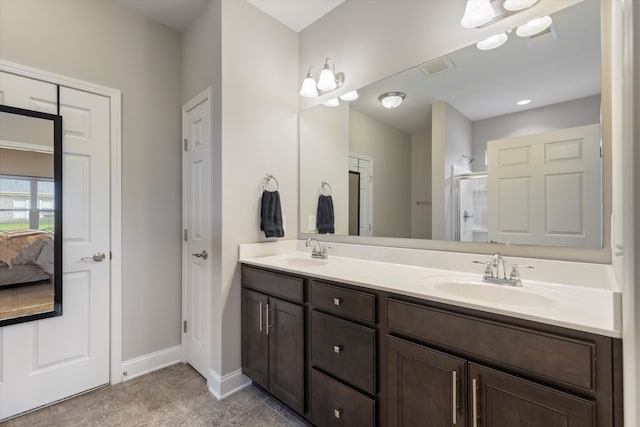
<point x="50" y="359"/>
<point x="197" y="247"/>
<point x="541" y="188"/>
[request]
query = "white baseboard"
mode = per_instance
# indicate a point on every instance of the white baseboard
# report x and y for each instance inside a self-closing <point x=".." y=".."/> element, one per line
<point x="151" y="362"/>
<point x="223" y="386"/>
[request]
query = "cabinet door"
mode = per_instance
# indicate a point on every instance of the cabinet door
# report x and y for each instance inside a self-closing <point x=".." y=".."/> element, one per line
<point x="286" y="352"/>
<point x="425" y="387"/>
<point x="255" y="341"/>
<point x="499" y="399"/>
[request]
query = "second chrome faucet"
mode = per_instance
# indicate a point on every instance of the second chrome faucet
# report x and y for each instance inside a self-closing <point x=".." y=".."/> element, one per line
<point x="496" y="272"/>
<point x="318" y="250"/>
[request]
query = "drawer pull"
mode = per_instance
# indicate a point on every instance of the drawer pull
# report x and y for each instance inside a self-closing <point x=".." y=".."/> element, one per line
<point x="338" y="413"/>
<point x="454" y="396"/>
<point x="338" y="349"/>
<point x="337" y="301"/>
<point x="260" y="316"/>
<point x="474" y="402"/>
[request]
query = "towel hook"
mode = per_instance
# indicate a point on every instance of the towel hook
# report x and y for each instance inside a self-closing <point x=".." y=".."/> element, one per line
<point x="268" y="179"/>
<point x="324" y="184"/>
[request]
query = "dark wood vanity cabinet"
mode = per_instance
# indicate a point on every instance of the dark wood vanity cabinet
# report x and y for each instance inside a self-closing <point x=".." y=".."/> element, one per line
<point x="343" y="355"/>
<point x="273" y="336"/>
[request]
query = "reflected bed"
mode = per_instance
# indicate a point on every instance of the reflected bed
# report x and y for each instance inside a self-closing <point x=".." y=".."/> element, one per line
<point x="26" y="256"/>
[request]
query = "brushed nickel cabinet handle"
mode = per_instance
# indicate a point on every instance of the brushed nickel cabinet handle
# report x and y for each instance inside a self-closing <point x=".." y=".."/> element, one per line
<point x="338" y="413"/>
<point x="454" y="396"/>
<point x="337" y="301"/>
<point x="474" y="400"/>
<point x="260" y="320"/>
<point x="337" y="349"/>
<point x="267" y="313"/>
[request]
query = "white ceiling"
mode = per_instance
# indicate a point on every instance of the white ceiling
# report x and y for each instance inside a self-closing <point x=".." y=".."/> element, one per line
<point x="178" y="14"/>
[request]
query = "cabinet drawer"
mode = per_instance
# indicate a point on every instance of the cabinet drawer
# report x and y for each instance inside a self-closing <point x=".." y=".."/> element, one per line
<point x="279" y="285"/>
<point x="344" y="349"/>
<point x="334" y="404"/>
<point x="346" y="302"/>
<point x="557" y="359"/>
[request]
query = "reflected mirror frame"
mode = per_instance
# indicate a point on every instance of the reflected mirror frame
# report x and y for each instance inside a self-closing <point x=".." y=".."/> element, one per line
<point x="57" y="185"/>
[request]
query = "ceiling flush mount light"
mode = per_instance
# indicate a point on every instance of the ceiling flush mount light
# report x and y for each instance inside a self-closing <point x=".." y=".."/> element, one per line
<point x="514" y="5"/>
<point x="333" y="102"/>
<point x="492" y="42"/>
<point x="391" y="99"/>
<point x="328" y="80"/>
<point x="308" y="89"/>
<point x="524" y="102"/>
<point x="477" y="13"/>
<point x="349" y="96"/>
<point x="534" y="26"/>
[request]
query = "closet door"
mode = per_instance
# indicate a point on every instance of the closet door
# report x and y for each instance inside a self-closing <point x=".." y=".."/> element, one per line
<point x="47" y="360"/>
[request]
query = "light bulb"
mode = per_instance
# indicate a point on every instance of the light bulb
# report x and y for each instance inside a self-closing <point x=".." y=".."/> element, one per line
<point x="349" y="96"/>
<point x="514" y="5"/>
<point x="327" y="80"/>
<point x="333" y="102"/>
<point x="477" y="13"/>
<point x="308" y="89"/>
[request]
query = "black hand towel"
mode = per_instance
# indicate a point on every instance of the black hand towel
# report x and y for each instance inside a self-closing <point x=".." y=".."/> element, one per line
<point x="271" y="214"/>
<point x="324" y="217"/>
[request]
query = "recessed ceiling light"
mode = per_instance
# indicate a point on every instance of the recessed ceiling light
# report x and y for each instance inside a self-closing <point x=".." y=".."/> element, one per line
<point x="524" y="102"/>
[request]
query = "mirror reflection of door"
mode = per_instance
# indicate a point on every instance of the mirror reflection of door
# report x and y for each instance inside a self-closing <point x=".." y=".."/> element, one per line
<point x="354" y="203"/>
<point x="27" y="214"/>
<point x="364" y="166"/>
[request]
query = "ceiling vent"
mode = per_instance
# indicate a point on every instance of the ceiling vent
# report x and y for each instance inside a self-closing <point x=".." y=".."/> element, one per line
<point x="437" y="66"/>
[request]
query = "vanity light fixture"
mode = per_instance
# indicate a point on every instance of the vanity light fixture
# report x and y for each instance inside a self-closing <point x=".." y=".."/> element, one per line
<point x="523" y="102"/>
<point x="328" y="80"/>
<point x="349" y="96"/>
<point x="333" y="102"/>
<point x="492" y="42"/>
<point x="391" y="99"/>
<point x="534" y="26"/>
<point x="477" y="13"/>
<point x="514" y="5"/>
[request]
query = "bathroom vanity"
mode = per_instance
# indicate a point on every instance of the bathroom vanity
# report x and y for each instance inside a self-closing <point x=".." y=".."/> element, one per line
<point x="344" y="352"/>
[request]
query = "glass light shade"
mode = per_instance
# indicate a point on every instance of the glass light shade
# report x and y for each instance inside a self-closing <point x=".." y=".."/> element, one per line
<point x="524" y="102"/>
<point x="349" y="96"/>
<point x="333" y="102"/>
<point x="327" y="80"/>
<point x="514" y="5"/>
<point x="308" y="89"/>
<point x="492" y="42"/>
<point x="534" y="27"/>
<point x="391" y="99"/>
<point x="477" y="13"/>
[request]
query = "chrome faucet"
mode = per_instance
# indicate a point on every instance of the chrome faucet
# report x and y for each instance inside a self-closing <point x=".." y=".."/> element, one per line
<point x="318" y="250"/>
<point x="495" y="271"/>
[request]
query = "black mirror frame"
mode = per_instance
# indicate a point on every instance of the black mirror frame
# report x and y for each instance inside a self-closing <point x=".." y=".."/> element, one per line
<point x="57" y="242"/>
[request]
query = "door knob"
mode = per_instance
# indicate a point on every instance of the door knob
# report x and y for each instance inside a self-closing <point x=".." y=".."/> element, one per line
<point x="203" y="255"/>
<point x="97" y="257"/>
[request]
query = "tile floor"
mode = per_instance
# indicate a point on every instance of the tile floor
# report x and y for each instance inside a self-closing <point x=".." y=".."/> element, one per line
<point x="173" y="396"/>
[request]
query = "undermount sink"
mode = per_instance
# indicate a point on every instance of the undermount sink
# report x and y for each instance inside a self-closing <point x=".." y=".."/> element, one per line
<point x="499" y="294"/>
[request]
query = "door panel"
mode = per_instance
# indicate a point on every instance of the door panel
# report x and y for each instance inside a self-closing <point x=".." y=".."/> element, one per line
<point x="50" y="359"/>
<point x="197" y="201"/>
<point x="286" y="352"/>
<point x="255" y="344"/>
<point x="421" y="386"/>
<point x="505" y="400"/>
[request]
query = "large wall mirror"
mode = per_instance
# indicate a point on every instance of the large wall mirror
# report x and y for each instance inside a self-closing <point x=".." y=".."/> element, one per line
<point x="487" y="146"/>
<point x="30" y="215"/>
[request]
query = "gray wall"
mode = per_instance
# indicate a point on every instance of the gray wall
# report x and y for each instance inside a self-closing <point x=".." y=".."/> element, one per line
<point x="250" y="61"/>
<point x="104" y="43"/>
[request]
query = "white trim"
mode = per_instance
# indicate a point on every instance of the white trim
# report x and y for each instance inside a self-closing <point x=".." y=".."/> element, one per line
<point x="115" y="102"/>
<point x="24" y="146"/>
<point x="151" y="362"/>
<point x="226" y="385"/>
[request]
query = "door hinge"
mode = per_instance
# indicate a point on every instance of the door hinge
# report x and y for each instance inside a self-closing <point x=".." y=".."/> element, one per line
<point x="185" y="234"/>
<point x="184" y="326"/>
<point x="600" y="151"/>
<point x="186" y="144"/>
<point x="110" y="255"/>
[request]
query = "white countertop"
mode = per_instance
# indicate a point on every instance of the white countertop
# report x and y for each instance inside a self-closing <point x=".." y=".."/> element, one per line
<point x="589" y="309"/>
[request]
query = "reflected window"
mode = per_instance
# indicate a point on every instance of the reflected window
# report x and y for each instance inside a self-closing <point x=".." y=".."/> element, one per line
<point x="26" y="203"/>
